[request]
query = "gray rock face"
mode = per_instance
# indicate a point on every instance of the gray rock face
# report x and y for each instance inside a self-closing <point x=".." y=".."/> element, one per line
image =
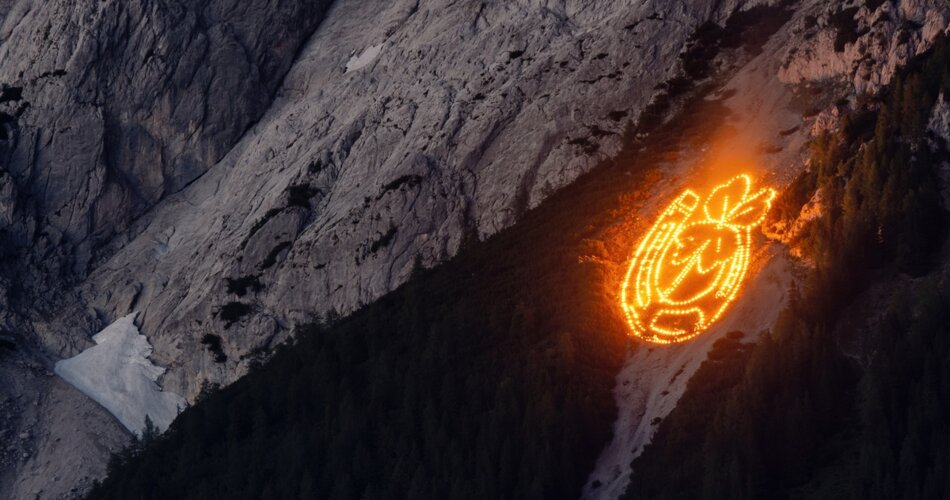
<point x="459" y="119"/>
<point x="129" y="102"/>
<point x="105" y="108"/>
<point x="54" y="441"/>
<point x="849" y="41"/>
<point x="234" y="168"/>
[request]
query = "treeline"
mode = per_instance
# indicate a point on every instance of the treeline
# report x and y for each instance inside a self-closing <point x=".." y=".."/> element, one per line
<point x="849" y="395"/>
<point x="489" y="376"/>
<point x="486" y="378"/>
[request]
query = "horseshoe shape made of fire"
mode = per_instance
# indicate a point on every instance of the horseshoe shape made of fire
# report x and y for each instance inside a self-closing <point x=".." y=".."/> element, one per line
<point x="690" y="266"/>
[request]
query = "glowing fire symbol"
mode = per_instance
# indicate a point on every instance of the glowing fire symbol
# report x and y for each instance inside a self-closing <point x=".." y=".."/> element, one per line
<point x="691" y="263"/>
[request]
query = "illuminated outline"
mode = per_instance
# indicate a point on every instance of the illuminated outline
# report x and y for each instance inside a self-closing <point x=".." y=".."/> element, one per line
<point x="690" y="265"/>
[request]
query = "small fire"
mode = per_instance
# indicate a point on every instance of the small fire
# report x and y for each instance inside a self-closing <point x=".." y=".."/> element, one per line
<point x="689" y="267"/>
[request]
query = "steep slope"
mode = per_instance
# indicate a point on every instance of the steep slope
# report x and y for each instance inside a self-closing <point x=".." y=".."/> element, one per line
<point x="401" y="130"/>
<point x="118" y="105"/>
<point x="466" y="117"/>
<point x="105" y="108"/>
<point x="55" y="439"/>
<point x="486" y="377"/>
<point x="142" y="173"/>
<point x="845" y="397"/>
<point x="826" y="79"/>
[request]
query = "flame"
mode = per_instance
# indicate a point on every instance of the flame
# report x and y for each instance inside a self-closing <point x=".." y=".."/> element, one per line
<point x="689" y="267"/>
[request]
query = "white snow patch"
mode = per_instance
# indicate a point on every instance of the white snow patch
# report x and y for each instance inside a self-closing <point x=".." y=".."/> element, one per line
<point x="368" y="55"/>
<point x="654" y="378"/>
<point x="117" y="374"/>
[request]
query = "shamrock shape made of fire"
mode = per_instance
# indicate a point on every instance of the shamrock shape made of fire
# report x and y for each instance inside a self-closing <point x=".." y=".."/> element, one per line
<point x="690" y="266"/>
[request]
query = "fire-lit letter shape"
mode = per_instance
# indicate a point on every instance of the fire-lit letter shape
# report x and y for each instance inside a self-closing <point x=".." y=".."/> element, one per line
<point x="690" y="265"/>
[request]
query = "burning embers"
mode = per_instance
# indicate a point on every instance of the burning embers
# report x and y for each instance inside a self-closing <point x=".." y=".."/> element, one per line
<point x="691" y="263"/>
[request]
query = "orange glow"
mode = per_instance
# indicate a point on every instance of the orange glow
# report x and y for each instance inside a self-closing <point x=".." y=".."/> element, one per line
<point x="691" y="263"/>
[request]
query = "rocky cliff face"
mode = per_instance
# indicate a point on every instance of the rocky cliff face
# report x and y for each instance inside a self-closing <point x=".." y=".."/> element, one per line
<point x="862" y="43"/>
<point x="229" y="169"/>
<point x="111" y="107"/>
<point x="105" y="109"/>
<point x="121" y="104"/>
<point x="401" y="128"/>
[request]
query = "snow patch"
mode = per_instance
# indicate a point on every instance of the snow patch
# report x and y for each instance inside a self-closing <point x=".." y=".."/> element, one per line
<point x="361" y="61"/>
<point x="117" y="374"/>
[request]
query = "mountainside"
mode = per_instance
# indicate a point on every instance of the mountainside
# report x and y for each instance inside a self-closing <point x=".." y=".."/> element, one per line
<point x="846" y="397"/>
<point x="488" y="376"/>
<point x="471" y="336"/>
<point x="343" y="171"/>
<point x="233" y="172"/>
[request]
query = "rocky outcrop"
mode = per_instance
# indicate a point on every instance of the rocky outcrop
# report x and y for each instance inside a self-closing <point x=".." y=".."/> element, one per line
<point x="105" y="109"/>
<point x="123" y="103"/>
<point x="862" y="44"/>
<point x="54" y="441"/>
<point x="939" y="124"/>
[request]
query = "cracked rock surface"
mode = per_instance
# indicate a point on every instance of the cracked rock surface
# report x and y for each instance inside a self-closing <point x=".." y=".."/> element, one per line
<point x="464" y="117"/>
<point x="230" y="169"/>
<point x="862" y="43"/>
